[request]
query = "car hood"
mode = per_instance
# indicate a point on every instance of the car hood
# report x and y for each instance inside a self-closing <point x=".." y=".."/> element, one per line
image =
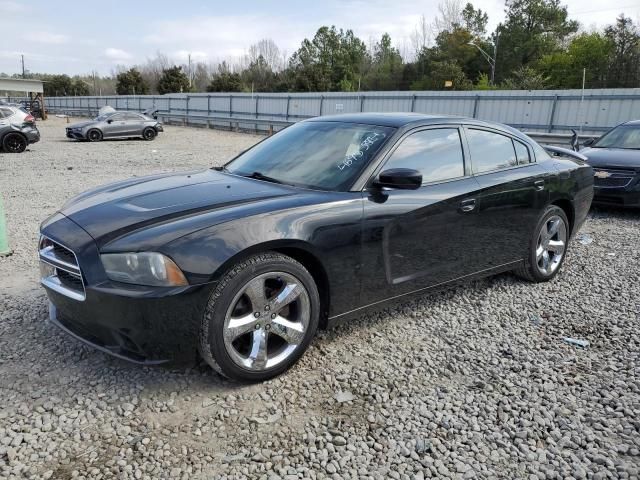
<point x="612" y="157"/>
<point x="82" y="124"/>
<point x="113" y="210"/>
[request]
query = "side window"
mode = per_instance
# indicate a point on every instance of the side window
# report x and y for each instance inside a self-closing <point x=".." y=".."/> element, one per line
<point x="118" y="117"/>
<point x="436" y="153"/>
<point x="133" y="116"/>
<point x="490" y="151"/>
<point x="522" y="153"/>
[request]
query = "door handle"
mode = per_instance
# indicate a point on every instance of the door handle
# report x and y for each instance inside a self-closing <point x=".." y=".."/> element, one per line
<point x="467" y="206"/>
<point x="539" y="184"/>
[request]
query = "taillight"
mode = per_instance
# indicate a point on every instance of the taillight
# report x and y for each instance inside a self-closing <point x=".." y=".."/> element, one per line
<point x="29" y="119"/>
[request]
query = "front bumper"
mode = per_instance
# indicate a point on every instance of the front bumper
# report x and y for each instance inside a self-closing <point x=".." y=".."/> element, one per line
<point x="617" y="187"/>
<point x="75" y="134"/>
<point x="146" y="325"/>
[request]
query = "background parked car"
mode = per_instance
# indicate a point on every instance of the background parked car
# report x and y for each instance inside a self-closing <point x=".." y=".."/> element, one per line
<point x="116" y="125"/>
<point x="615" y="158"/>
<point x="17" y="129"/>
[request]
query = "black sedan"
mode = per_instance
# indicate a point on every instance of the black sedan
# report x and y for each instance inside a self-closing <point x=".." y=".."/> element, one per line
<point x="239" y="265"/>
<point x="615" y="158"/>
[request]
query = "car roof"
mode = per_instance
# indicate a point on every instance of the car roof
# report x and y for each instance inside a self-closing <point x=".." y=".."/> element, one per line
<point x="397" y="120"/>
<point x="634" y="123"/>
<point x="400" y="120"/>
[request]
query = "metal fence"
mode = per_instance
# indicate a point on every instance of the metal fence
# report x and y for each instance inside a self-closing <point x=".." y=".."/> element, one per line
<point x="550" y="111"/>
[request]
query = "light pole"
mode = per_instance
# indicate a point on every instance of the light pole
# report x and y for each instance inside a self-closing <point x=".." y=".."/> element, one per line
<point x="488" y="58"/>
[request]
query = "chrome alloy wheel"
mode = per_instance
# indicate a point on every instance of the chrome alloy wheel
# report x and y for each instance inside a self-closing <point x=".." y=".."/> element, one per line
<point x="552" y="242"/>
<point x="267" y="321"/>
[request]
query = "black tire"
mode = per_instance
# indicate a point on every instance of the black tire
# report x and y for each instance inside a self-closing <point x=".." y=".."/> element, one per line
<point x="212" y="344"/>
<point x="94" y="135"/>
<point x="149" y="134"/>
<point x="14" y="143"/>
<point x="530" y="269"/>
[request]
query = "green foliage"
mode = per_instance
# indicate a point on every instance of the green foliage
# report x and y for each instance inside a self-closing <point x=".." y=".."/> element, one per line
<point x="173" y="80"/>
<point x="131" y="83"/>
<point x="525" y="78"/>
<point x="325" y="62"/>
<point x="625" y="60"/>
<point x="63" y="85"/>
<point x="483" y="82"/>
<point x="532" y="29"/>
<point x="475" y="21"/>
<point x="386" y="68"/>
<point x="439" y="73"/>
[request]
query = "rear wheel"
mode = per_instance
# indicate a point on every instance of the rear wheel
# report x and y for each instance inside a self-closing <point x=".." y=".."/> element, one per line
<point x="547" y="247"/>
<point x="14" y="143"/>
<point x="260" y="318"/>
<point x="94" y="135"/>
<point x="149" y="133"/>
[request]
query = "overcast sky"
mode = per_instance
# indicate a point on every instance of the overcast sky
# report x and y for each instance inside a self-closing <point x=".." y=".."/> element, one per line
<point x="78" y="37"/>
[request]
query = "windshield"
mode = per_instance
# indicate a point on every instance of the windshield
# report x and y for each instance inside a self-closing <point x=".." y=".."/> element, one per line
<point x="322" y="155"/>
<point x="624" y="136"/>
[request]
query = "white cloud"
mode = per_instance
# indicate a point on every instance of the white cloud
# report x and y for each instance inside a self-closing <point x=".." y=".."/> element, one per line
<point x="117" y="55"/>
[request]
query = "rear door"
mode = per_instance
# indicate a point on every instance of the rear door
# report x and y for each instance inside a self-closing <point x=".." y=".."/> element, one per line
<point x="414" y="239"/>
<point x="134" y="124"/>
<point x="514" y="189"/>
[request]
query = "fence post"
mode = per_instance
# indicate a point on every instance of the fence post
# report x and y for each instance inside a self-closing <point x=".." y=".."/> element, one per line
<point x="185" y="120"/>
<point x="256" y="111"/>
<point x="208" y="111"/>
<point x="321" y="102"/>
<point x="362" y="103"/>
<point x="230" y="111"/>
<point x="553" y="114"/>
<point x="287" y="113"/>
<point x="475" y="106"/>
<point x="413" y="102"/>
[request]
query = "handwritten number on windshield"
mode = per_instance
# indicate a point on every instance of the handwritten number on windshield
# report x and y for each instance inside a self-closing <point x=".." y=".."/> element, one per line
<point x="365" y="145"/>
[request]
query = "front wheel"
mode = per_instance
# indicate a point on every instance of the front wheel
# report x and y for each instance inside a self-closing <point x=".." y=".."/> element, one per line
<point x="547" y="246"/>
<point x="94" y="135"/>
<point x="149" y="133"/>
<point x="260" y="318"/>
<point x="14" y="143"/>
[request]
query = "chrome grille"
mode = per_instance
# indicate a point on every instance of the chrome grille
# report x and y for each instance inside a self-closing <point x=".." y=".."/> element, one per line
<point x="612" y="177"/>
<point x="59" y="269"/>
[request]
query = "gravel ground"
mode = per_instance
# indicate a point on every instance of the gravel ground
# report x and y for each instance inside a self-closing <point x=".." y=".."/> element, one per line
<point x="473" y="382"/>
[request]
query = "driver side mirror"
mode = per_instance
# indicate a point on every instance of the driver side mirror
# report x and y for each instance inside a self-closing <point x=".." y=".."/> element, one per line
<point x="400" y="179"/>
<point x="109" y="121"/>
<point x="588" y="142"/>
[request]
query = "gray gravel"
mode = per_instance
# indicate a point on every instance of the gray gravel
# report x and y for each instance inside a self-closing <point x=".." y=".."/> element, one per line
<point x="474" y="382"/>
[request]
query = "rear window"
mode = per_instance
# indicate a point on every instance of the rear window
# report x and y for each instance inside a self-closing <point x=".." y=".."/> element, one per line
<point x="490" y="151"/>
<point x="6" y="112"/>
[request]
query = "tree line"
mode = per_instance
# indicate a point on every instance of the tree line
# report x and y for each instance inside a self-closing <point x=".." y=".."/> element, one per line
<point x="537" y="46"/>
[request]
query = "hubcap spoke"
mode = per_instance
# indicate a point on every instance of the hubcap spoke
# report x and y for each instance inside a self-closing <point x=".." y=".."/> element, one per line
<point x="545" y="260"/>
<point x="539" y="252"/>
<point x="553" y="228"/>
<point x="255" y="291"/>
<point x="240" y="326"/>
<point x="291" y="332"/>
<point x="258" y="355"/>
<point x="289" y="293"/>
<point x="556" y="246"/>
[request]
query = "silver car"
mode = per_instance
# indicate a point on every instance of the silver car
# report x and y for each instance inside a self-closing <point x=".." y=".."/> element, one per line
<point x="116" y="125"/>
<point x="17" y="129"/>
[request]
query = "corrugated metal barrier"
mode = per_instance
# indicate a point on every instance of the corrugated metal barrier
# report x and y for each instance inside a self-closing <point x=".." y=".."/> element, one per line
<point x="550" y="111"/>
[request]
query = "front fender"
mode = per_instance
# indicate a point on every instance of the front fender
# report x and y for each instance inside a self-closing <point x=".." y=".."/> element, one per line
<point x="330" y="232"/>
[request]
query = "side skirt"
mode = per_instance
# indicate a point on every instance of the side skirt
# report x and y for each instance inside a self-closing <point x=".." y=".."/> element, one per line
<point x="397" y="299"/>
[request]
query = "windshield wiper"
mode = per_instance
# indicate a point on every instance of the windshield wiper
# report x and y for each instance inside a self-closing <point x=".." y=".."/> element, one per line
<point x="266" y="178"/>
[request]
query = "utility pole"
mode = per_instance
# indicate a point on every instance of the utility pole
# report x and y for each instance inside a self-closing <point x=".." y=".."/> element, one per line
<point x="189" y="71"/>
<point x="22" y="57"/>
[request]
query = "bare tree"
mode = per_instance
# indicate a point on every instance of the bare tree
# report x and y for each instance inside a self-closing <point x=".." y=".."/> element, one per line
<point x="269" y="51"/>
<point x="449" y="15"/>
<point x="422" y="35"/>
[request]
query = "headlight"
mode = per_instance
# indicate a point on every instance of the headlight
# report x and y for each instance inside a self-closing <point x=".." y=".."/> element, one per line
<point x="152" y="269"/>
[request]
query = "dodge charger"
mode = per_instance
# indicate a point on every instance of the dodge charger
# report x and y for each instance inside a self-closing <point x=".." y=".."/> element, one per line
<point x="240" y="265"/>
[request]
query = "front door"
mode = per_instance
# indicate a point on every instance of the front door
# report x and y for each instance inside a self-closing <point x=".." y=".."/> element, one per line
<point x="413" y="239"/>
<point x="115" y="126"/>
